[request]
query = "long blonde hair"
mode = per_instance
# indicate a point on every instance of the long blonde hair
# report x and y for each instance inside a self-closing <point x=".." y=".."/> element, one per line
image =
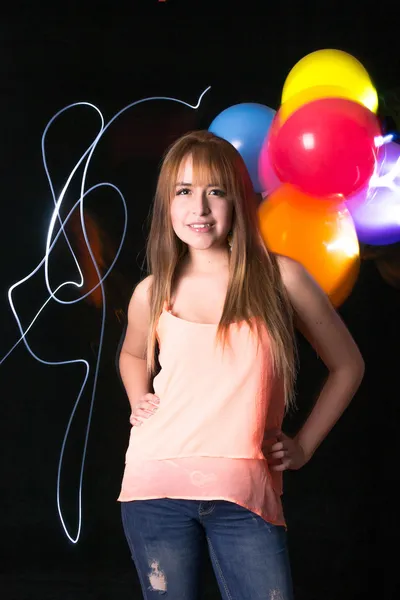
<point x="255" y="287"/>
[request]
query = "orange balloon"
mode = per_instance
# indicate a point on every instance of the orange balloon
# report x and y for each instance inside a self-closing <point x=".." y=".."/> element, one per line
<point x="319" y="234"/>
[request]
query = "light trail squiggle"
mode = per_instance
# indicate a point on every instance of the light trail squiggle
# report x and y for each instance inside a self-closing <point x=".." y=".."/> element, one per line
<point x="52" y="294"/>
<point x="388" y="179"/>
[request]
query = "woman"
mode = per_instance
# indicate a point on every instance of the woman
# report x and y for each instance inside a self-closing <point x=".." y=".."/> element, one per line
<point x="206" y="451"/>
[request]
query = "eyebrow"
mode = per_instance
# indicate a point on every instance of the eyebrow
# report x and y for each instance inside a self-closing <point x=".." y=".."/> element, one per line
<point x="180" y="183"/>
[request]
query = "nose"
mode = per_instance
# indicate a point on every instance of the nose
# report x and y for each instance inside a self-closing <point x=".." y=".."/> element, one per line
<point x="200" y="206"/>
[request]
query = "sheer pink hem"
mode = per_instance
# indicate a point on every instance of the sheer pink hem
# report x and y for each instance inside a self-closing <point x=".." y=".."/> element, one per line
<point x="246" y="482"/>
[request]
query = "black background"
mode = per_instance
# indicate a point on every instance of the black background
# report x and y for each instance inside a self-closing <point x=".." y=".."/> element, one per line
<point x="338" y="508"/>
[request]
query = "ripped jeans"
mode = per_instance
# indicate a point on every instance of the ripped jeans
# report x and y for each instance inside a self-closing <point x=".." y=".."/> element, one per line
<point x="166" y="538"/>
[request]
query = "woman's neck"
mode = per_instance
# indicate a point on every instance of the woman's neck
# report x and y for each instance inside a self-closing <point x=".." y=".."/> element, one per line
<point x="206" y="261"/>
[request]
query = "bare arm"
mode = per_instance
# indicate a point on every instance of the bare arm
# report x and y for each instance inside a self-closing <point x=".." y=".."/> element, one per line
<point x="132" y="361"/>
<point x="326" y="332"/>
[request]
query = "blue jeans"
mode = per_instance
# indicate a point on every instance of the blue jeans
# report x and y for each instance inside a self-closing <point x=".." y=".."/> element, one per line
<point x="166" y="538"/>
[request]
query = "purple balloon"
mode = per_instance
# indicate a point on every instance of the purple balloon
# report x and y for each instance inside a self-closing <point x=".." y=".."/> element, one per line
<point x="375" y="208"/>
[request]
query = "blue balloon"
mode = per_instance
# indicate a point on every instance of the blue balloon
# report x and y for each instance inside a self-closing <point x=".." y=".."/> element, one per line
<point x="245" y="126"/>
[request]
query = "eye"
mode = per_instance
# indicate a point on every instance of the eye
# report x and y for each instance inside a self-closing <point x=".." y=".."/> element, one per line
<point x="218" y="192"/>
<point x="182" y="192"/>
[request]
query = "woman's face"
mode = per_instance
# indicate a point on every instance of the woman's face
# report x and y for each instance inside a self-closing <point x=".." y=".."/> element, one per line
<point x="201" y="215"/>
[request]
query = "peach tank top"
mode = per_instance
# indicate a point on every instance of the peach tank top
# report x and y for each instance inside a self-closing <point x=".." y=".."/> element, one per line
<point x="205" y="440"/>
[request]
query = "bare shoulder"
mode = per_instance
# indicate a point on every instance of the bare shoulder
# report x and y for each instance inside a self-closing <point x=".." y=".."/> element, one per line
<point x="292" y="272"/>
<point x="141" y="295"/>
<point x="304" y="292"/>
<point x="317" y="319"/>
<point x="138" y="319"/>
<point x="285" y="263"/>
<point x="141" y="291"/>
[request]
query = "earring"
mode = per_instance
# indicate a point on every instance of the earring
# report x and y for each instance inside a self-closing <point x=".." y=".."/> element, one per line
<point x="229" y="239"/>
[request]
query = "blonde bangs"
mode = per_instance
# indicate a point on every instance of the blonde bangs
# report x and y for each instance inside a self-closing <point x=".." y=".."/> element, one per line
<point x="210" y="167"/>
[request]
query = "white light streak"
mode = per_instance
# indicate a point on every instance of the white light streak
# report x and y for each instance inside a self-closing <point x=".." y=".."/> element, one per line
<point x="50" y="243"/>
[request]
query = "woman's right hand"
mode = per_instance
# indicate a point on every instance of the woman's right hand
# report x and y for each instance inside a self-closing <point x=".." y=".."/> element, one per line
<point x="144" y="408"/>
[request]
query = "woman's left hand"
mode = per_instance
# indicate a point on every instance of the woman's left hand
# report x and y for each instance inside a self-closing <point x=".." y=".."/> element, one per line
<point x="285" y="453"/>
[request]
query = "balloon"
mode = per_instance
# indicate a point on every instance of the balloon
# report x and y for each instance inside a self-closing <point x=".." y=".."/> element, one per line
<point x="376" y="207"/>
<point x="269" y="180"/>
<point x="311" y="94"/>
<point x="245" y="126"/>
<point x="326" y="147"/>
<point x="332" y="68"/>
<point x="319" y="235"/>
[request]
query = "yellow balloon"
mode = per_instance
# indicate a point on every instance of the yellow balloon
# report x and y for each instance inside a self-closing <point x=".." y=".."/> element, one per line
<point x="331" y="68"/>
<point x="314" y="93"/>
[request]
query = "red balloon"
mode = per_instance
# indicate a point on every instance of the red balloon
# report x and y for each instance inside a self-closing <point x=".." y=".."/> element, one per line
<point x="325" y="147"/>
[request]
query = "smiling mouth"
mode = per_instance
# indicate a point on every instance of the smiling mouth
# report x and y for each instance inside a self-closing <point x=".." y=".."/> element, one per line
<point x="201" y="227"/>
